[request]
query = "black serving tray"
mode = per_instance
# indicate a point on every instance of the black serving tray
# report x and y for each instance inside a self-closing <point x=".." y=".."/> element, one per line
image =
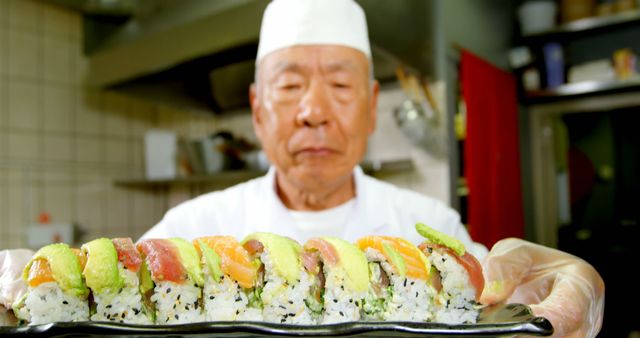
<point x="499" y="320"/>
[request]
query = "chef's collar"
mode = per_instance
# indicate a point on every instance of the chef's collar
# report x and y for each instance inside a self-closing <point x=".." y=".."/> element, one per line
<point x="358" y="176"/>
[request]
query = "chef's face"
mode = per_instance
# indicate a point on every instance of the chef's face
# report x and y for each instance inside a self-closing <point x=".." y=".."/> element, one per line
<point x="313" y="110"/>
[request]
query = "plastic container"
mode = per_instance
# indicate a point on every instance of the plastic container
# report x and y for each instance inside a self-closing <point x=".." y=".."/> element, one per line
<point x="537" y="16"/>
<point x="572" y="10"/>
<point x="554" y="64"/>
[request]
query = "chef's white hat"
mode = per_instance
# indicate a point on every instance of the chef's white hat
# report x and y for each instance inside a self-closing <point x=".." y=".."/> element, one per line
<point x="288" y="23"/>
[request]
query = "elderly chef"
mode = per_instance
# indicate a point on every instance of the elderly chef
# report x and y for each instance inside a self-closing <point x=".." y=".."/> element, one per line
<point x="314" y="106"/>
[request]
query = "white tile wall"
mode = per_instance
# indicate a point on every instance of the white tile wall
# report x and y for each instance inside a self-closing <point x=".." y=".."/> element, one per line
<point x="142" y="117"/>
<point x="89" y="201"/>
<point x="18" y="202"/>
<point x="58" y="147"/>
<point x="117" y="207"/>
<point x="116" y="116"/>
<point x="117" y="152"/>
<point x="25" y="15"/>
<point x="58" y="22"/>
<point x="56" y="201"/>
<point x="4" y="196"/>
<point x="136" y="155"/>
<point x="4" y="50"/>
<point x="23" y="106"/>
<point x="4" y="105"/>
<point x="24" y="53"/>
<point x="88" y="118"/>
<point x="62" y="144"/>
<point x="57" y="59"/>
<point x="4" y="147"/>
<point x="57" y="109"/>
<point x="88" y="149"/>
<point x="24" y="145"/>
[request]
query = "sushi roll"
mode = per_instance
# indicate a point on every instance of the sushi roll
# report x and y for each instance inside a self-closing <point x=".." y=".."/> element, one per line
<point x="282" y="283"/>
<point x="230" y="280"/>
<point x="56" y="290"/>
<point x="111" y="273"/>
<point x="174" y="280"/>
<point x="400" y="286"/>
<point x="341" y="281"/>
<point x="458" y="274"/>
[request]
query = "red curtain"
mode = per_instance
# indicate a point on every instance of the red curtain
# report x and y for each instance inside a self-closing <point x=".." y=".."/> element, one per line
<point x="491" y="152"/>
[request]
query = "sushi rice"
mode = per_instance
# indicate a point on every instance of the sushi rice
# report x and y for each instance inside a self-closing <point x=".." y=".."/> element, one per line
<point x="227" y="301"/>
<point x="340" y="303"/>
<point x="124" y="305"/>
<point x="456" y="301"/>
<point x="284" y="302"/>
<point x="405" y="299"/>
<point x="177" y="303"/>
<point x="47" y="303"/>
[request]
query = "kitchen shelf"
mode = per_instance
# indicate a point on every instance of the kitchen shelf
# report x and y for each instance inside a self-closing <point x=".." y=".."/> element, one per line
<point x="226" y="178"/>
<point x="379" y="168"/>
<point x="586" y="88"/>
<point x="590" y="25"/>
<point x="231" y="177"/>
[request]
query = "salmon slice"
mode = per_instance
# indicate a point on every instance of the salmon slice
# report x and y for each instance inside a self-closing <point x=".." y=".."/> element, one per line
<point x="127" y="253"/>
<point x="328" y="251"/>
<point x="39" y="273"/>
<point x="234" y="259"/>
<point x="417" y="265"/>
<point x="163" y="260"/>
<point x="82" y="259"/>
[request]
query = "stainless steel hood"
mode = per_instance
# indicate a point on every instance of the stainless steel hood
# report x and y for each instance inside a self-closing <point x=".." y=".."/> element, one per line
<point x="199" y="54"/>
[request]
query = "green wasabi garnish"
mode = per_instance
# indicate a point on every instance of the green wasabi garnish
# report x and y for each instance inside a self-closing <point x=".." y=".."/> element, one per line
<point x="438" y="237"/>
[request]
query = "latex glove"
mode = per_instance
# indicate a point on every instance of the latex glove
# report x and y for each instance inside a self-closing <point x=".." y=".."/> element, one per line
<point x="561" y="287"/>
<point x="12" y="287"/>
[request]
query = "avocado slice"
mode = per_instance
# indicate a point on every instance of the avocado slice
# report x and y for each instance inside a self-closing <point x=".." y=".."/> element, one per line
<point x="284" y="253"/>
<point x="395" y="258"/>
<point x="438" y="237"/>
<point x="212" y="260"/>
<point x="352" y="262"/>
<point x="65" y="268"/>
<point x="146" y="283"/>
<point x="101" y="271"/>
<point x="190" y="259"/>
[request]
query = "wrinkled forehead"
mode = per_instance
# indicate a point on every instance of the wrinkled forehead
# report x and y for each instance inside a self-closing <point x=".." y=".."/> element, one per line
<point x="328" y="58"/>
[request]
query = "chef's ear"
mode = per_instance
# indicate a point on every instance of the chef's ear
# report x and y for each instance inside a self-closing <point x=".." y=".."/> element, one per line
<point x="254" y="100"/>
<point x="373" y="106"/>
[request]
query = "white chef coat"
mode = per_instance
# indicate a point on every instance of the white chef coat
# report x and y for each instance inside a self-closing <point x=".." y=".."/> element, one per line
<point x="378" y="208"/>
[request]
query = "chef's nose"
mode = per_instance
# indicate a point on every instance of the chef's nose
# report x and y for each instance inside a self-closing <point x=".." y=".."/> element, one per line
<point x="314" y="107"/>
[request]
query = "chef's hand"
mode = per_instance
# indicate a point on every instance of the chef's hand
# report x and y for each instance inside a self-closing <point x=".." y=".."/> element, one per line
<point x="558" y="286"/>
<point x="12" y="286"/>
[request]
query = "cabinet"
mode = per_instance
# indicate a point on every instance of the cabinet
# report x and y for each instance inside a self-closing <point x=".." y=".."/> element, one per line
<point x="583" y="157"/>
<point x="547" y="109"/>
<point x="581" y="42"/>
